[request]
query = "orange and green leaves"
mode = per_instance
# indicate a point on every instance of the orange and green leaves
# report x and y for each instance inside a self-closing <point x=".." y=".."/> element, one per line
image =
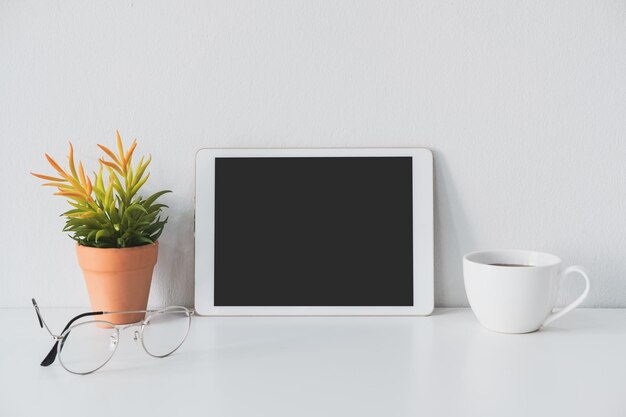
<point x="108" y="212"/>
<point x="72" y="185"/>
<point x="125" y="180"/>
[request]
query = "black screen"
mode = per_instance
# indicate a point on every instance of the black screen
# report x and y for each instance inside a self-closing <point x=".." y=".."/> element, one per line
<point x="313" y="231"/>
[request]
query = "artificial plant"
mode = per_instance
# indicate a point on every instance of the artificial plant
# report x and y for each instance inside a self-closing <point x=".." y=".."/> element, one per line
<point x="108" y="212"/>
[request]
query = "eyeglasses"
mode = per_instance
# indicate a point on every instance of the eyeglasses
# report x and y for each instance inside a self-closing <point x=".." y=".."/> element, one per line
<point x="86" y="346"/>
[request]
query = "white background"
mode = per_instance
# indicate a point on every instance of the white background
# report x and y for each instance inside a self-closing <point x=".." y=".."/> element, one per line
<point x="523" y="104"/>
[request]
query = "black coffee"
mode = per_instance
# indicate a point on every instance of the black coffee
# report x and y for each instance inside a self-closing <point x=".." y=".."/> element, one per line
<point x="512" y="265"/>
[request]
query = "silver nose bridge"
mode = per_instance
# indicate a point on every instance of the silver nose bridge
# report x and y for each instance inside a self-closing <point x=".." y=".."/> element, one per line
<point x="136" y="333"/>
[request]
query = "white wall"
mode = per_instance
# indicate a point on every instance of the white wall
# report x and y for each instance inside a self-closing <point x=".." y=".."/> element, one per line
<point x="523" y="103"/>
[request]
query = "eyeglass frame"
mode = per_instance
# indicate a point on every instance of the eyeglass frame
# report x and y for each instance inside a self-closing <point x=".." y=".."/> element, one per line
<point x="57" y="347"/>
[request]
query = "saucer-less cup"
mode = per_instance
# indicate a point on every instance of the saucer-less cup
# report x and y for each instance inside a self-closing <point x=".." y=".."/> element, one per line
<point x="514" y="291"/>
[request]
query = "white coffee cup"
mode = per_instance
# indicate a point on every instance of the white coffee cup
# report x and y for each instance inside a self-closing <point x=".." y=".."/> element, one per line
<point x="514" y="291"/>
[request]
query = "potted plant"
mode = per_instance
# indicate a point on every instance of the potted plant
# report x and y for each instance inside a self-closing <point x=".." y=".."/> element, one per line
<point x="116" y="230"/>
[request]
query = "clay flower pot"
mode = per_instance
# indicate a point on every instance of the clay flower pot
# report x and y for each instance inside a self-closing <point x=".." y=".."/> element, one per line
<point x="118" y="279"/>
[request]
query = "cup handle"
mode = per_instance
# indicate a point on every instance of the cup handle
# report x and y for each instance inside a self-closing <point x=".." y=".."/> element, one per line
<point x="576" y="302"/>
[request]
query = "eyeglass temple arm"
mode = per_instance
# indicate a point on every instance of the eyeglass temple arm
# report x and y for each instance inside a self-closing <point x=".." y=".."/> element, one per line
<point x="51" y="356"/>
<point x="42" y="322"/>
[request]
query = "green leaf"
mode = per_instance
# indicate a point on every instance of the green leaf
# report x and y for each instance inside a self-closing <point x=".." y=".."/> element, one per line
<point x="128" y="179"/>
<point x="73" y="211"/>
<point x="78" y="205"/>
<point x="149" y="217"/>
<point x="156" y="207"/>
<point x="144" y="240"/>
<point x="107" y="196"/>
<point x="135" y="207"/>
<point x="121" y="208"/>
<point x="99" y="194"/>
<point x="154" y="227"/>
<point x="156" y="236"/>
<point x="140" y="170"/>
<point x="137" y="186"/>
<point x="91" y="222"/>
<point x="102" y="233"/>
<point x="148" y="202"/>
<point x="115" y="218"/>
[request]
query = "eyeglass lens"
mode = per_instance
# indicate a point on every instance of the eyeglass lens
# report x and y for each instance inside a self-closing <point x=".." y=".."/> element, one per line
<point x="88" y="346"/>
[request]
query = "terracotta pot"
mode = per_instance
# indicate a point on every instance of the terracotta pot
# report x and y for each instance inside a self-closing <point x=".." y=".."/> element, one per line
<point x="118" y="279"/>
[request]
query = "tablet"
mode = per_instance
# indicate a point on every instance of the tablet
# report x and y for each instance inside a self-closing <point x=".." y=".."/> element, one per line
<point x="314" y="232"/>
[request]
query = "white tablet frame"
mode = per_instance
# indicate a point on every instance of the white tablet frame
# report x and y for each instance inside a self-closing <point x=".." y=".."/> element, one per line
<point x="423" y="251"/>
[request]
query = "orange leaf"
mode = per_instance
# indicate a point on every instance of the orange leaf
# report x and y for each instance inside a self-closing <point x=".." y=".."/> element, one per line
<point x="111" y="165"/>
<point x="111" y="154"/>
<point x="56" y="184"/>
<point x="81" y="171"/>
<point x="89" y="186"/>
<point x="71" y="158"/>
<point x="129" y="154"/>
<point x="70" y="194"/>
<point x="63" y="173"/>
<point x="47" y="177"/>
<point x="120" y="147"/>
<point x="57" y="167"/>
<point x="73" y="215"/>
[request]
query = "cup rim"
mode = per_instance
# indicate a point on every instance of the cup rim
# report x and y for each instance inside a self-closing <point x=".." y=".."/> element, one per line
<point x="555" y="260"/>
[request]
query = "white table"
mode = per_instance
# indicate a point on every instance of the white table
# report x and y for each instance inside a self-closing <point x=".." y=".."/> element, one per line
<point x="443" y="365"/>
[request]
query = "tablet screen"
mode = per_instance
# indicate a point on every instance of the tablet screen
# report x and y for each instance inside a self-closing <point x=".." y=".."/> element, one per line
<point x="313" y="231"/>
